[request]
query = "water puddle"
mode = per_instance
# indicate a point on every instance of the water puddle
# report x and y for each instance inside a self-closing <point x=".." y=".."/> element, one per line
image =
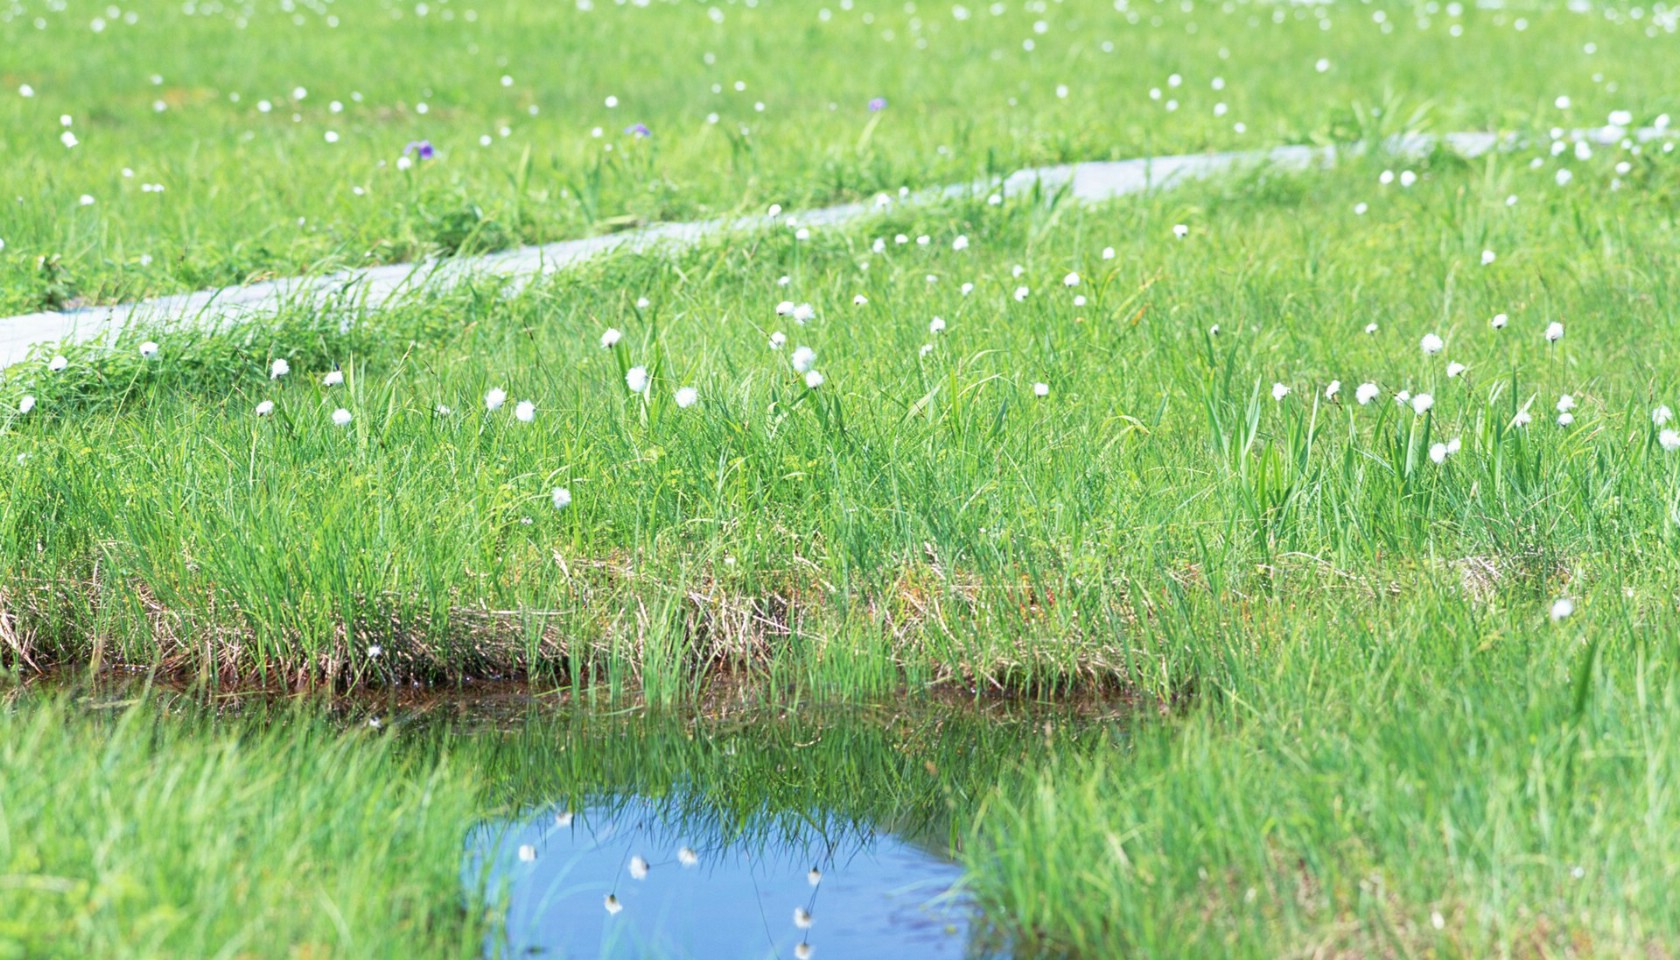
<point x="642" y="878"/>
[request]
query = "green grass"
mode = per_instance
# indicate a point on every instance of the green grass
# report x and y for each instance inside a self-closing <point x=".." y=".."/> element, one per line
<point x="126" y="833"/>
<point x="250" y="194"/>
<point x="1367" y="733"/>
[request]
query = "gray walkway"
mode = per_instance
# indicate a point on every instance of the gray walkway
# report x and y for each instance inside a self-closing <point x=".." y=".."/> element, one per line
<point x="372" y="287"/>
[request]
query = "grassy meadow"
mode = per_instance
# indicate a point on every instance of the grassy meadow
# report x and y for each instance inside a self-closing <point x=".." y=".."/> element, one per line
<point x="282" y="145"/>
<point x="1358" y="487"/>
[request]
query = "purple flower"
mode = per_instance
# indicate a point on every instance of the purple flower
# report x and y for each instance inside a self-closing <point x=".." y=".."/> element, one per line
<point x="877" y="104"/>
<point x="638" y="130"/>
<point x="422" y="147"/>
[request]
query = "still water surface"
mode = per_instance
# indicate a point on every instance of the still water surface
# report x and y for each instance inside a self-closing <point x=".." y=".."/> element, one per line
<point x="682" y="887"/>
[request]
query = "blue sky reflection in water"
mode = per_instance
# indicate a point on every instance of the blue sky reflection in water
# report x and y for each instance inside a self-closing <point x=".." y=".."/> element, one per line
<point x="736" y="898"/>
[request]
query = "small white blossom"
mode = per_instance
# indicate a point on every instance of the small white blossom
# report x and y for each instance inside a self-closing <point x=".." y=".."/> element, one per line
<point x="636" y="378"/>
<point x="1041" y="389"/>
<point x="265" y="408"/>
<point x="1455" y="369"/>
<point x="1366" y="393"/>
<point x="494" y="399"/>
<point x="814" y="379"/>
<point x="278" y="369"/>
<point x="1279" y="391"/>
<point x="525" y="412"/>
<point x="1334" y="388"/>
<point x="1071" y="280"/>
<point x="148" y="349"/>
<point x="1431" y="344"/>
<point x="804" y="358"/>
<point x="27" y="403"/>
<point x="57" y="363"/>
<point x="687" y="397"/>
<point x="562" y="498"/>
<point x="610" y="338"/>
<point x="1499" y="321"/>
<point x="778" y="340"/>
<point x="1181" y="230"/>
<point x="1661" y="415"/>
<point x="1562" y="608"/>
<point x="333" y="378"/>
<point x="936" y="325"/>
<point x="341" y="417"/>
<point x="1566" y="403"/>
<point x="1554" y="332"/>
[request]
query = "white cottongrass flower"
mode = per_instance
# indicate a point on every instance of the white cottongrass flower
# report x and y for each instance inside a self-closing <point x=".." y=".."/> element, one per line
<point x="802" y="918"/>
<point x="265" y="408"/>
<point x="1041" y="389"/>
<point x="341" y="417"/>
<point x="642" y="303"/>
<point x="967" y="289"/>
<point x="813" y="379"/>
<point x="1181" y="230"/>
<point x="1366" y="393"/>
<point x="1565" y="419"/>
<point x="68" y="139"/>
<point x="936" y="325"/>
<point x="1422" y="403"/>
<point x="636" y="378"/>
<point x="1370" y="328"/>
<point x="494" y="399"/>
<point x="1661" y="415"/>
<point x="1079" y="301"/>
<point x="860" y="301"/>
<point x="687" y="397"/>
<point x="278" y="369"/>
<point x="1564" y="176"/>
<point x="1565" y="403"/>
<point x="1523" y="418"/>
<point x="1334" y="388"/>
<point x="924" y="350"/>
<point x="778" y="340"/>
<point x="804" y="358"/>
<point x="610" y="338"/>
<point x="638" y="867"/>
<point x="1108" y="253"/>
<point x="1554" y="332"/>
<point x="1071" y="280"/>
<point x="1407" y="178"/>
<point x="1279" y="391"/>
<point x="1403" y="397"/>
<point x="784" y="309"/>
<point x="1488" y="256"/>
<point x="960" y="243"/>
<point x="612" y="904"/>
<point x="1453" y="445"/>
<point x="527" y="853"/>
<point x="1438" y="453"/>
<point x="1431" y="344"/>
<point x="1670" y="440"/>
<point x="814" y="877"/>
<point x="802" y="951"/>
<point x="1499" y="321"/>
<point x="1455" y="369"/>
<point x="1562" y="608"/>
<point x="443" y="410"/>
<point x="148" y="349"/>
<point x="562" y="499"/>
<point x="1021" y="294"/>
<point x="374" y="650"/>
<point x="525" y="412"/>
<point x="57" y="363"/>
<point x="27" y="403"/>
<point x="333" y="378"/>
<point x="1213" y="331"/>
<point x="687" y="857"/>
<point x="804" y="313"/>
